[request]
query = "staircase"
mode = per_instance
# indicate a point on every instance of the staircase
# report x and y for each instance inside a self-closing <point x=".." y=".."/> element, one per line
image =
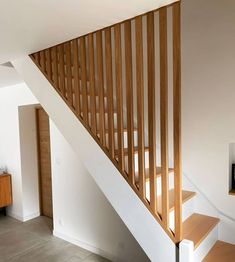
<point x="102" y="79"/>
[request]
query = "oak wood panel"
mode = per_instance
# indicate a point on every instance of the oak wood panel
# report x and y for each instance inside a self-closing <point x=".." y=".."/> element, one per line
<point x="55" y="66"/>
<point x="61" y="70"/>
<point x="44" y="157"/>
<point x="43" y="60"/>
<point x="76" y="75"/>
<point x="197" y="227"/>
<point x="48" y="62"/>
<point x="118" y="63"/>
<point x="129" y="101"/>
<point x="84" y="80"/>
<point x="100" y="77"/>
<point x="221" y="252"/>
<point x="151" y="109"/>
<point x="69" y="73"/>
<point x="140" y="104"/>
<point x="177" y="118"/>
<point x="109" y="85"/>
<point x="92" y="83"/>
<point x="5" y="190"/>
<point x="164" y="114"/>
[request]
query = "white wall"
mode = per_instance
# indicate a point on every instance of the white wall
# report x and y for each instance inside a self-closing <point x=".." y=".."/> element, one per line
<point x="81" y="212"/>
<point x="10" y="99"/>
<point x="208" y="90"/>
<point x="29" y="161"/>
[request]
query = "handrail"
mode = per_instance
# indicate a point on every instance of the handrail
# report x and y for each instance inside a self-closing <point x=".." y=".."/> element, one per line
<point x="108" y="80"/>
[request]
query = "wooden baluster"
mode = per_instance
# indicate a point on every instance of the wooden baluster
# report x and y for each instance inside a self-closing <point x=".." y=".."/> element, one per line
<point x="164" y="115"/>
<point x="43" y="61"/>
<point x="109" y="85"/>
<point x="61" y="69"/>
<point x="69" y="73"/>
<point x="37" y="57"/>
<point x="118" y="63"/>
<point x="48" y="64"/>
<point x="151" y="110"/>
<point x="100" y="78"/>
<point x="55" y="67"/>
<point x="140" y="105"/>
<point x="84" y="80"/>
<point x="129" y="101"/>
<point x="92" y="83"/>
<point x="76" y="77"/>
<point x="177" y="119"/>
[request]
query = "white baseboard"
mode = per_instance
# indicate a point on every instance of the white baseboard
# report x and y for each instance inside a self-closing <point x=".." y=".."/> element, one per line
<point x="22" y="218"/>
<point x="31" y="216"/>
<point x="84" y="245"/>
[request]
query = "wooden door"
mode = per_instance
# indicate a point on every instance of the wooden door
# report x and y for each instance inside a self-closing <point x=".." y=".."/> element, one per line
<point x="44" y="162"/>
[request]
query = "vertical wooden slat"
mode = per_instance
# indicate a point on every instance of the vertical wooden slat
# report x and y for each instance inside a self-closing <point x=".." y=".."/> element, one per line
<point x="37" y="57"/>
<point x="54" y="67"/>
<point x="164" y="115"/>
<point x="177" y="119"/>
<point x="76" y="77"/>
<point x="69" y="73"/>
<point x="151" y="109"/>
<point x="48" y="63"/>
<point x="100" y="77"/>
<point x="109" y="84"/>
<point x="92" y="83"/>
<point x="61" y="69"/>
<point x="84" y="79"/>
<point x="43" y="61"/>
<point x="129" y="101"/>
<point x="140" y="105"/>
<point x="118" y="63"/>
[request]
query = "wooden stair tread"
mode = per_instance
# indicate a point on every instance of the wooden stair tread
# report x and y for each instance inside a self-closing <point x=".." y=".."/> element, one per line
<point x="186" y="195"/>
<point x="158" y="172"/>
<point x="197" y="227"/>
<point x="221" y="251"/>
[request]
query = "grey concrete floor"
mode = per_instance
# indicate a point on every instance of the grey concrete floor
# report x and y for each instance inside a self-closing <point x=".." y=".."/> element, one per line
<point x="33" y="241"/>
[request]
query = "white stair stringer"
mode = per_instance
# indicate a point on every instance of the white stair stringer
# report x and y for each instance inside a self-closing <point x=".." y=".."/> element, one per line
<point x="152" y="238"/>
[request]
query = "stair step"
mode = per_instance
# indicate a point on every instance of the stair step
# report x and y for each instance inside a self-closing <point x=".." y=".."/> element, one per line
<point x="158" y="172"/>
<point x="186" y="195"/>
<point x="197" y="227"/>
<point x="221" y="251"/>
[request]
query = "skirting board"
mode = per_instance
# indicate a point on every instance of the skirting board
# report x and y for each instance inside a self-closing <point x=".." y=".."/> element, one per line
<point x="84" y="245"/>
<point x="22" y="218"/>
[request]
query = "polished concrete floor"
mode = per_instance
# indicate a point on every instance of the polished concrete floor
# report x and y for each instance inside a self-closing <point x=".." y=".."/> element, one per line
<point x="33" y="241"/>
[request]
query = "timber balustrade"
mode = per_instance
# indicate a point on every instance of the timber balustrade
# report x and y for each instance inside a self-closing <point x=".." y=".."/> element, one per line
<point x="109" y="80"/>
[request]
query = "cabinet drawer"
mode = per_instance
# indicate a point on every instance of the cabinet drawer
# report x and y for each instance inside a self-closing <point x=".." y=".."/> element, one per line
<point x="5" y="191"/>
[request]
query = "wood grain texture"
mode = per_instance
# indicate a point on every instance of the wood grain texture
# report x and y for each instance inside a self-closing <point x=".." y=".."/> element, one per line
<point x="76" y="76"/>
<point x="197" y="227"/>
<point x="129" y="101"/>
<point x="43" y="60"/>
<point x="151" y="109"/>
<point x="92" y="82"/>
<point x="177" y="119"/>
<point x="61" y="70"/>
<point x="100" y="78"/>
<point x="221" y="252"/>
<point x="109" y="85"/>
<point x="84" y="80"/>
<point x="164" y="114"/>
<point x="48" y="62"/>
<point x="54" y="66"/>
<point x="5" y="190"/>
<point x="44" y="157"/>
<point x="118" y="65"/>
<point x="140" y="104"/>
<point x="69" y="73"/>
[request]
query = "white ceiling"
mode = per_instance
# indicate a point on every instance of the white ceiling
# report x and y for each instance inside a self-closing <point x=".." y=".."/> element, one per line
<point x="30" y="25"/>
<point x="27" y="26"/>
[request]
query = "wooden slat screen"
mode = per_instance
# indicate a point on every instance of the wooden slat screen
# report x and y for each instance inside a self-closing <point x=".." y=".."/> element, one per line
<point x="109" y="80"/>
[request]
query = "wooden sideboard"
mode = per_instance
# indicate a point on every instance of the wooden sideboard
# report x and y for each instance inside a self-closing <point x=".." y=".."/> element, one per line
<point x="5" y="191"/>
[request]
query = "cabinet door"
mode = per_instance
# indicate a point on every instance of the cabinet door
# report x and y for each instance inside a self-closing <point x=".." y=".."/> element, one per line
<point x="5" y="191"/>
